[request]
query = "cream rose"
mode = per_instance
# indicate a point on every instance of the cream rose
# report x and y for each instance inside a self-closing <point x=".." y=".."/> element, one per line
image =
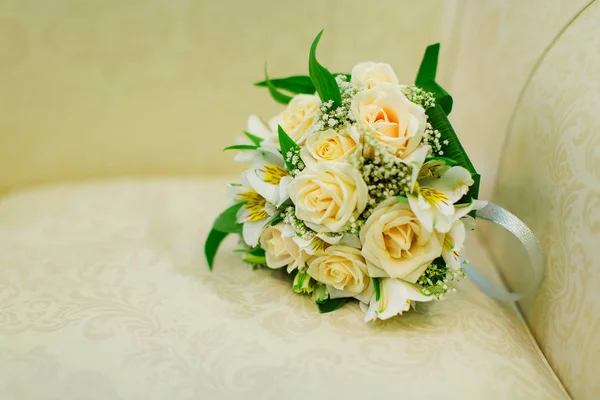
<point x="332" y="145"/>
<point x="369" y="74"/>
<point x="280" y="247"/>
<point x="395" y="120"/>
<point x="299" y="116"/>
<point x="343" y="270"/>
<point x="328" y="194"/>
<point x="395" y="244"/>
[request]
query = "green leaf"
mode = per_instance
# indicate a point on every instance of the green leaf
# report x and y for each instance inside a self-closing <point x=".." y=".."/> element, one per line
<point x="323" y="80"/>
<point x="255" y="139"/>
<point x="447" y="161"/>
<point x="227" y="221"/>
<point x="211" y="246"/>
<point x="251" y="259"/>
<point x="453" y="150"/>
<point x="332" y="304"/>
<point x="255" y="251"/>
<point x="426" y="78"/>
<point x="442" y="97"/>
<point x="241" y="147"/>
<point x="295" y="84"/>
<point x="403" y="199"/>
<point x="276" y="94"/>
<point x="473" y="192"/>
<point x="377" y="288"/>
<point x="287" y="144"/>
<point x="428" y="69"/>
<point x="320" y="295"/>
<point x="276" y="220"/>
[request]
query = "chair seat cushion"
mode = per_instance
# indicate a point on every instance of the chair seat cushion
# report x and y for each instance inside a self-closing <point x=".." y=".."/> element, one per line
<point x="105" y="294"/>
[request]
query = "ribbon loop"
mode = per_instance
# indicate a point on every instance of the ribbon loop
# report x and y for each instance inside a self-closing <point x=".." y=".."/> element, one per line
<point x="521" y="231"/>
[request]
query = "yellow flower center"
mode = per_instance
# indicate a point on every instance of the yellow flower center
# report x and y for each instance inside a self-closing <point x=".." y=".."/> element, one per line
<point x="255" y="204"/>
<point x="274" y="173"/>
<point x="433" y="196"/>
<point x="448" y="242"/>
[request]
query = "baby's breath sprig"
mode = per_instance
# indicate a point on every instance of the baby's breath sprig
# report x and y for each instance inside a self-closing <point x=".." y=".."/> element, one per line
<point x="419" y="96"/>
<point x="339" y="117"/>
<point x="292" y="157"/>
<point x="432" y="138"/>
<point x="438" y="280"/>
<point x="383" y="172"/>
<point x="303" y="231"/>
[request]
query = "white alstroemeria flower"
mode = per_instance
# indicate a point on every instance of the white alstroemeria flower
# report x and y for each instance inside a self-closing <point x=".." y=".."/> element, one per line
<point x="437" y="188"/>
<point x="395" y="297"/>
<point x="269" y="143"/>
<point x="270" y="178"/>
<point x="454" y="239"/>
<point x="255" y="213"/>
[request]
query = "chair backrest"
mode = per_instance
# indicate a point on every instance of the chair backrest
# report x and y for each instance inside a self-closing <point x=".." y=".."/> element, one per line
<point x="549" y="167"/>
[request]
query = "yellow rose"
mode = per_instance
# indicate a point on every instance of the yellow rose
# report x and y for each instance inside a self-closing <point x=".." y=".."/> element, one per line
<point x="395" y="244"/>
<point x="280" y="247"/>
<point x="343" y="270"/>
<point x="299" y="116"/>
<point x="393" y="119"/>
<point x="332" y="145"/>
<point x="369" y="74"/>
<point x="328" y="194"/>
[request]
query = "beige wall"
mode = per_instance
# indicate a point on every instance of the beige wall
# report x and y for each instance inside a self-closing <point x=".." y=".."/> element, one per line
<point x="111" y="87"/>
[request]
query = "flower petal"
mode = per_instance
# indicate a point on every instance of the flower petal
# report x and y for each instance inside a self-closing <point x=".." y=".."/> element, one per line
<point x="253" y="229"/>
<point x="395" y="298"/>
<point x="268" y="191"/>
<point x="257" y="127"/>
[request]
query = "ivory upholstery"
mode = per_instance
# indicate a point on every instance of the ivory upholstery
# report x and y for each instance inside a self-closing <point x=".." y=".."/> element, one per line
<point x="540" y="108"/>
<point x="104" y="293"/>
<point x="550" y="174"/>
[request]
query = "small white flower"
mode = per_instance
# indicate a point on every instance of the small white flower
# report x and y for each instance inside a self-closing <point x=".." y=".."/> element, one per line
<point x="395" y="297"/>
<point x="437" y="188"/>
<point x="454" y="239"/>
<point x="270" y="178"/>
<point x="269" y="143"/>
<point x="255" y="213"/>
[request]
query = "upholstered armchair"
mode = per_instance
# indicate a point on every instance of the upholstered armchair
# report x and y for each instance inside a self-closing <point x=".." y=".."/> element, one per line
<point x="111" y="177"/>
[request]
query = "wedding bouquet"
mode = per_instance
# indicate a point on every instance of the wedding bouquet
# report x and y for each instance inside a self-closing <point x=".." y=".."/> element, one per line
<point x="359" y="187"/>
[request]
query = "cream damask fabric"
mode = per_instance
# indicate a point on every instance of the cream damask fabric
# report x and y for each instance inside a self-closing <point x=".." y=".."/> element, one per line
<point x="104" y="294"/>
<point x="550" y="176"/>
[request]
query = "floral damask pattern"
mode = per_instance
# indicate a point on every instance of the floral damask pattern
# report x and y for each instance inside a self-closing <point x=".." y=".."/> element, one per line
<point x="550" y="176"/>
<point x="104" y="294"/>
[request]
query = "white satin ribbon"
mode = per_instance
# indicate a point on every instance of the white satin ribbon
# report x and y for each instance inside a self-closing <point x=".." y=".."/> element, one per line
<point x="514" y="225"/>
